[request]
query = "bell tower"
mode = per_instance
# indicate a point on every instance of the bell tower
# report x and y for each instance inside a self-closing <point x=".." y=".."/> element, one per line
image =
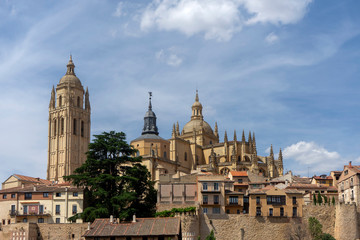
<point x="69" y="126"/>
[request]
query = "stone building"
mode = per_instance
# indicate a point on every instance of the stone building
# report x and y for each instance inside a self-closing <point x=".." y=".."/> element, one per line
<point x="274" y="202"/>
<point x="38" y="202"/>
<point x="349" y="185"/>
<point x="197" y="147"/>
<point x="69" y="126"/>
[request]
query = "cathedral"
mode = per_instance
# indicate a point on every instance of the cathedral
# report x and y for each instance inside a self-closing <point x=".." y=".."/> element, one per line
<point x="69" y="126"/>
<point x="197" y="148"/>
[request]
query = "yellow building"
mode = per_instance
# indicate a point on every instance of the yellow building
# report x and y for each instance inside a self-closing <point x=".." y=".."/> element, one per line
<point x="274" y="202"/>
<point x="197" y="147"/>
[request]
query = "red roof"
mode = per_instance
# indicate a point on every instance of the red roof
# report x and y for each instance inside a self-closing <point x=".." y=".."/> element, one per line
<point x="32" y="179"/>
<point x="239" y="173"/>
<point x="168" y="226"/>
<point x="320" y="178"/>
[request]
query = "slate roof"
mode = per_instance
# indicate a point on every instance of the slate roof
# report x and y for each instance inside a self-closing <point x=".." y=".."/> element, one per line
<point x="102" y="227"/>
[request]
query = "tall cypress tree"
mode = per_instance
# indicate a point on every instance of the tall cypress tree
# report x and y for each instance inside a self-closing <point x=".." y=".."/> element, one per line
<point x="115" y="183"/>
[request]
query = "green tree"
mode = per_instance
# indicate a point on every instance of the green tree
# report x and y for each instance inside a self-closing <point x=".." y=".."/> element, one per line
<point x="315" y="228"/>
<point x="319" y="198"/>
<point x="327" y="236"/>
<point x="211" y="236"/>
<point x="314" y="199"/>
<point x="325" y="199"/>
<point x="333" y="200"/>
<point x="115" y="183"/>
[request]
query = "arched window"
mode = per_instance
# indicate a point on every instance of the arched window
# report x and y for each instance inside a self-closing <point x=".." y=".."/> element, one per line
<point x="165" y="154"/>
<point x="82" y="128"/>
<point x="185" y="156"/>
<point x="239" y="158"/>
<point x="78" y="101"/>
<point x="74" y="127"/>
<point x="60" y="101"/>
<point x="210" y="142"/>
<point x="62" y="126"/>
<point x="55" y="127"/>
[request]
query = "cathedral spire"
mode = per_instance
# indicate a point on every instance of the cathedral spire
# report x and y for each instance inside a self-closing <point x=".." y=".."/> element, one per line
<point x="150" y="106"/>
<point x="271" y="152"/>
<point x="235" y="139"/>
<point x="225" y="137"/>
<point x="243" y="136"/>
<point x="254" y="143"/>
<point x="249" y="140"/>
<point x="196" y="109"/>
<point x="52" y="99"/>
<point x="280" y="157"/>
<point x="150" y="120"/>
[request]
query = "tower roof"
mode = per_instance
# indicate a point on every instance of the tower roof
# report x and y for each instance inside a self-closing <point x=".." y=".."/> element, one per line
<point x="70" y="76"/>
<point x="197" y="120"/>
<point x="150" y="120"/>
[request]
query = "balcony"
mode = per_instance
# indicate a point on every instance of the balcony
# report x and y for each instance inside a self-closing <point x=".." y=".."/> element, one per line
<point x="43" y="213"/>
<point x="210" y="190"/>
<point x="278" y="216"/>
<point x="210" y="203"/>
<point x="13" y="213"/>
<point x="351" y="184"/>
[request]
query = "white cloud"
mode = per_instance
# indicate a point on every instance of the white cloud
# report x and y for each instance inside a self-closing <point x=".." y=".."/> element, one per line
<point x="169" y="57"/>
<point x="276" y="11"/>
<point x="314" y="156"/>
<point x="271" y="38"/>
<point x="218" y="19"/>
<point x="119" y="9"/>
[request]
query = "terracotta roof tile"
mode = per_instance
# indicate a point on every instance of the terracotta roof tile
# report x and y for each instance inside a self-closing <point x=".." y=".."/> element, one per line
<point x="239" y="173"/>
<point x="32" y="179"/>
<point x="142" y="227"/>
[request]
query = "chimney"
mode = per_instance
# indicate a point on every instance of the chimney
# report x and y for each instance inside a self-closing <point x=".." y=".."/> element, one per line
<point x="134" y="218"/>
<point x="22" y="185"/>
<point x="88" y="228"/>
<point x="34" y="188"/>
<point x="350" y="164"/>
<point x="111" y="218"/>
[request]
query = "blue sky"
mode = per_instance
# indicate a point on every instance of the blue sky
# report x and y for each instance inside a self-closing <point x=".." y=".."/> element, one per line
<point x="287" y="70"/>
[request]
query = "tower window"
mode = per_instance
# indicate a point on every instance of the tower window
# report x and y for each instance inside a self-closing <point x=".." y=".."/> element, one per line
<point x="164" y="154"/>
<point x="185" y="156"/>
<point x="74" y="127"/>
<point x="55" y="127"/>
<point x="82" y="128"/>
<point x="78" y="101"/>
<point x="62" y="126"/>
<point x="60" y="101"/>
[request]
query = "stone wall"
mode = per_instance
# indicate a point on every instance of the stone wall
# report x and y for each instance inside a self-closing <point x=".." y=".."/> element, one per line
<point x="346" y="224"/>
<point x="24" y="230"/>
<point x="324" y="213"/>
<point x="241" y="227"/>
<point x="48" y="231"/>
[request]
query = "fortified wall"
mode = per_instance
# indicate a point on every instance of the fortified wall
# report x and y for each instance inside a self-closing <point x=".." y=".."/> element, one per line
<point x="341" y="221"/>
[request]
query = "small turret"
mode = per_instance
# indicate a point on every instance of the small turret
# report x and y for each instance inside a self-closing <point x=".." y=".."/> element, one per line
<point x="225" y="137"/>
<point x="216" y="130"/>
<point x="243" y="137"/>
<point x="52" y="99"/>
<point x="235" y="139"/>
<point x="173" y="134"/>
<point x="250" y="143"/>
<point x="177" y="129"/>
<point x="271" y="152"/>
<point x="87" y="100"/>
<point x="254" y="144"/>
<point x="280" y="165"/>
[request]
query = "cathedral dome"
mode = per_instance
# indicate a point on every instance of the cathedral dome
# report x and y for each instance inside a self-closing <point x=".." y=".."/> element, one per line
<point x="198" y="124"/>
<point x="70" y="76"/>
<point x="70" y="79"/>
